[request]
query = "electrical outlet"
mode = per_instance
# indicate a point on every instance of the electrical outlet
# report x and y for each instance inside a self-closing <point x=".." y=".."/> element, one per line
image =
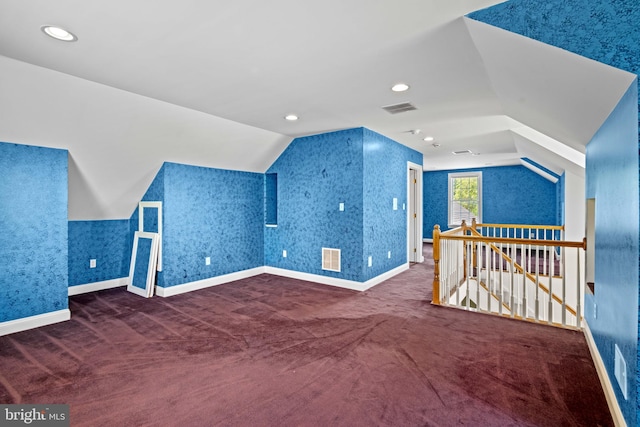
<point x="207" y="261"/>
<point x="284" y="254"/>
<point x="92" y="263"/>
<point x="389" y="254"/>
<point x="370" y="261"/>
<point x="595" y="310"/>
<point x="620" y="371"/>
<point x="395" y="203"/>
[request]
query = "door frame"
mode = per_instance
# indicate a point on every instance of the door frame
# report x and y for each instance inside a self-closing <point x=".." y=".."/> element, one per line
<point x="416" y="198"/>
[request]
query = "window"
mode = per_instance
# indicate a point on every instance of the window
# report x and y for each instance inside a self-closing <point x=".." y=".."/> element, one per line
<point x="465" y="197"/>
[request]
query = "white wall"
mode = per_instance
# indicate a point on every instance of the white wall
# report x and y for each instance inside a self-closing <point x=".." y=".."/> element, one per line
<point x="118" y="140"/>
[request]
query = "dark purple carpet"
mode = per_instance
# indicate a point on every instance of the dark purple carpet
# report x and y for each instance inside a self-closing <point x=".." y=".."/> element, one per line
<point x="270" y="351"/>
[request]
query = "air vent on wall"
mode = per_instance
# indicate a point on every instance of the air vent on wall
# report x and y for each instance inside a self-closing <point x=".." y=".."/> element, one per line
<point x="458" y="153"/>
<point x="331" y="259"/>
<point x="399" y="108"/>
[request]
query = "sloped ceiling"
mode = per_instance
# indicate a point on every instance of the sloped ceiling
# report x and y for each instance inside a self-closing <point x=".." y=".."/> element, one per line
<point x="208" y="83"/>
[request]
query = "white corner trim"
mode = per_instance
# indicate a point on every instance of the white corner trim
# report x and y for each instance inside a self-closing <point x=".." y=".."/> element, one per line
<point x="97" y="286"/>
<point x="607" y="387"/>
<point x="535" y="169"/>
<point x="13" y="326"/>
<point x="206" y="283"/>
<point x="334" y="281"/>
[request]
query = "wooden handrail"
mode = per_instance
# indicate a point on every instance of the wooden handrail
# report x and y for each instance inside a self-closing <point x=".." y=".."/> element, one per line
<point x="561" y="243"/>
<point x="453" y="231"/>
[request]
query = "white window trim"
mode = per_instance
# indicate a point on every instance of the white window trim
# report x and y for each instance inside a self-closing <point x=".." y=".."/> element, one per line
<point x="476" y="174"/>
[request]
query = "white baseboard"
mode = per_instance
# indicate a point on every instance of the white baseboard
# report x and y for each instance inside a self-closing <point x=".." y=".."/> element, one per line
<point x="333" y="281"/>
<point x="206" y="283"/>
<point x="97" y="286"/>
<point x="13" y="326"/>
<point x="427" y="240"/>
<point x="607" y="386"/>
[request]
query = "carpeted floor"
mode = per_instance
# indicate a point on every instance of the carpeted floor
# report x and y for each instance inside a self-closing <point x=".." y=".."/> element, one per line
<point x="271" y="351"/>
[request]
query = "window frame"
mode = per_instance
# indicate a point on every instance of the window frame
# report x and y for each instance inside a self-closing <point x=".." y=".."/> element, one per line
<point x="455" y="175"/>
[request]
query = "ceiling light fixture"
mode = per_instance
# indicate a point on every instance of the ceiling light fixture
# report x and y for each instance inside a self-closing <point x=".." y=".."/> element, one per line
<point x="291" y="117"/>
<point x="400" y="87"/>
<point x="58" y="33"/>
<point x="428" y="138"/>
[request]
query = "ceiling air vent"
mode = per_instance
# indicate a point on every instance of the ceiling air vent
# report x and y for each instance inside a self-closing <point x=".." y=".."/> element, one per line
<point x="399" y="108"/>
<point x="461" y="152"/>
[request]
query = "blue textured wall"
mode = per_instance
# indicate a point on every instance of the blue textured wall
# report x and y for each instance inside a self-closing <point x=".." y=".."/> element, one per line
<point x="357" y="167"/>
<point x="33" y="240"/>
<point x="107" y="242"/>
<point x="315" y="174"/>
<point x="510" y="195"/>
<point x="384" y="178"/>
<point x="605" y="31"/>
<point x="210" y="213"/>
<point x="612" y="179"/>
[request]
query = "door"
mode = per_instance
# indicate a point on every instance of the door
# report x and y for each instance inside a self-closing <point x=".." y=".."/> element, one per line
<point x="415" y="242"/>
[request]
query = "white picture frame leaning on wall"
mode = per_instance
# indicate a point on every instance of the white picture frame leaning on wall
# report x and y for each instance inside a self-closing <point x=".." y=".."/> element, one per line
<point x="152" y="205"/>
<point x="142" y="270"/>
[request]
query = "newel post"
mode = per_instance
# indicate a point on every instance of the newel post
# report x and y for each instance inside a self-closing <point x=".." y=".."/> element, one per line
<point x="436" y="261"/>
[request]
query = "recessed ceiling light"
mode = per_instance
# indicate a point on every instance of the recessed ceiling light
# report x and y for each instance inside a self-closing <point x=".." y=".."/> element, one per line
<point x="58" y="33"/>
<point x="400" y="87"/>
<point x="291" y="117"/>
<point x="428" y="138"/>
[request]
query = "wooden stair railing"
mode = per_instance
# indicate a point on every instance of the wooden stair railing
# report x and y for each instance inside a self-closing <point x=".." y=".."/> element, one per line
<point x="521" y="270"/>
<point x="469" y="234"/>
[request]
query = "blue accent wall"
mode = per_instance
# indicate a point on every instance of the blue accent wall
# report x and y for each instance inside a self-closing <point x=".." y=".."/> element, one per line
<point x="384" y="178"/>
<point x="107" y="242"/>
<point x="602" y="30"/>
<point x="33" y="241"/>
<point x="605" y="31"/>
<point x="612" y="179"/>
<point x="315" y="174"/>
<point x="212" y="213"/>
<point x="357" y="167"/>
<point x="510" y="195"/>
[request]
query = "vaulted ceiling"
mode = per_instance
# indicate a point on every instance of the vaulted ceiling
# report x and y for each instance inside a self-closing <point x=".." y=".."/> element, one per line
<point x="209" y="83"/>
